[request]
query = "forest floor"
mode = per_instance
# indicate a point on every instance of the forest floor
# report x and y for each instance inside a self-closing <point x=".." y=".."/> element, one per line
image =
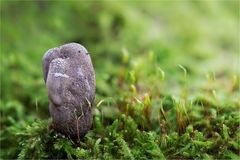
<point x="167" y="78"/>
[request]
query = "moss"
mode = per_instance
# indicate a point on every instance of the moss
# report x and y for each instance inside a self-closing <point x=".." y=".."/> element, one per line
<point x="146" y="107"/>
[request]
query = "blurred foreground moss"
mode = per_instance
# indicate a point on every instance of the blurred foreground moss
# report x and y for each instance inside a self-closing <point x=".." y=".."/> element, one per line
<point x="123" y="140"/>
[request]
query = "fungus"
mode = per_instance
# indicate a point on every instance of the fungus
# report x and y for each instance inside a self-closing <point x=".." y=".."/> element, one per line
<point x="70" y="80"/>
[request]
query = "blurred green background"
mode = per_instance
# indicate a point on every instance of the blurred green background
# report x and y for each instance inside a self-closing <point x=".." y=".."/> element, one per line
<point x="129" y="42"/>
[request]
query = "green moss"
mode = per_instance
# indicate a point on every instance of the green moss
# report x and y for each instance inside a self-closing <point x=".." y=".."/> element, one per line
<point x="166" y="73"/>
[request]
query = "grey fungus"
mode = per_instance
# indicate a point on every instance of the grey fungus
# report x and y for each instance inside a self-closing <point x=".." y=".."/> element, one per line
<point x="70" y="81"/>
